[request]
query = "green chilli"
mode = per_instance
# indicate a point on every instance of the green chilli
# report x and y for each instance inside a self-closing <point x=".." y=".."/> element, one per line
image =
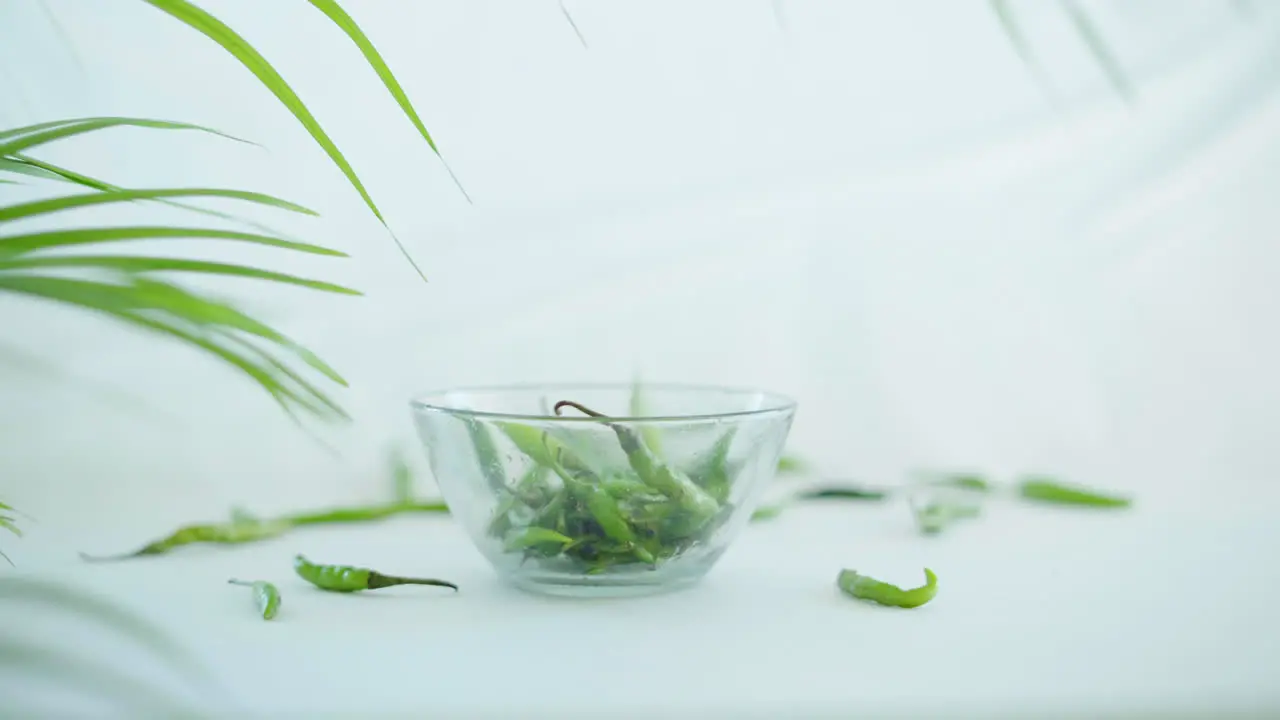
<point x="265" y="595"/>
<point x="1045" y="490"/>
<point x="244" y="528"/>
<point x="869" y="589"/>
<point x="345" y="578"/>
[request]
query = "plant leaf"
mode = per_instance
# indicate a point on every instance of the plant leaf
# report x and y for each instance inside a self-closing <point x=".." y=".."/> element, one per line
<point x="143" y="264"/>
<point x="73" y="202"/>
<point x="572" y="24"/>
<point x="1101" y="50"/>
<point x="55" y="172"/>
<point x="125" y="302"/>
<point x="14" y="166"/>
<point x="127" y="623"/>
<point x="210" y="312"/>
<point x="232" y="42"/>
<point x="17" y="244"/>
<point x="26" y="657"/>
<point x="8" y="524"/>
<point x="70" y="128"/>
<point x="348" y="25"/>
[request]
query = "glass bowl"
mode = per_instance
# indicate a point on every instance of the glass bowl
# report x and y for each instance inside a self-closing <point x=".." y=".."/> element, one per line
<point x="589" y="490"/>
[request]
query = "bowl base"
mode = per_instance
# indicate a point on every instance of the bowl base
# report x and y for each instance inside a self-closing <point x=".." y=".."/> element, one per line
<point x="578" y="587"/>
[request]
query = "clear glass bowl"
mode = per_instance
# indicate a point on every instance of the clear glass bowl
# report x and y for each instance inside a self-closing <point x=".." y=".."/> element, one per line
<point x="642" y="499"/>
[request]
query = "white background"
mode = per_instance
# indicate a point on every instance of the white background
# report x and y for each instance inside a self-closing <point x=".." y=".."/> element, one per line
<point x="872" y="207"/>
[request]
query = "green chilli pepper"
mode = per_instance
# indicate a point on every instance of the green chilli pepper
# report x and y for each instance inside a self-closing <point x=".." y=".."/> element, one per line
<point x="1045" y="490"/>
<point x="965" y="481"/>
<point x="714" y="475"/>
<point x="882" y="593"/>
<point x="265" y="595"/>
<point x="343" y="578"/>
<point x="245" y="529"/>
<point x="933" y="517"/>
<point x="229" y="534"/>
<point x="639" y="408"/>
<point x="833" y="492"/>
<point x="652" y="471"/>
<point x="533" y="536"/>
<point x="792" y="465"/>
<point x="486" y="455"/>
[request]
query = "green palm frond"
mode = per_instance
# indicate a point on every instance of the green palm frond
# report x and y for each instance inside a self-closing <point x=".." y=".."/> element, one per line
<point x="1085" y="27"/>
<point x="18" y="656"/>
<point x="131" y="294"/>
<point x="232" y="42"/>
<point x="16" y="212"/>
<point x="1092" y="37"/>
<point x="21" y="139"/>
<point x="344" y="21"/>
<point x="203" y="323"/>
<point x="27" y="165"/>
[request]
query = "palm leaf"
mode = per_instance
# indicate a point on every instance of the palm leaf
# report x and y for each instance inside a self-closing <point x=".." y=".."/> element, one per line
<point x="565" y="11"/>
<point x="30" y="242"/>
<point x="13" y="165"/>
<point x="348" y="25"/>
<point x="72" y="202"/>
<point x="8" y="524"/>
<point x="232" y="42"/>
<point x="20" y="139"/>
<point x="27" y="657"/>
<point x="129" y="303"/>
<point x="1098" y="46"/>
<point x="33" y="166"/>
<point x="214" y="313"/>
<point x="127" y="623"/>
<point x="143" y="264"/>
<point x="1021" y="45"/>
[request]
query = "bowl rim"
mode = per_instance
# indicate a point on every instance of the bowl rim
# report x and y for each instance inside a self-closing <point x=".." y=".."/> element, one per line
<point x="777" y="402"/>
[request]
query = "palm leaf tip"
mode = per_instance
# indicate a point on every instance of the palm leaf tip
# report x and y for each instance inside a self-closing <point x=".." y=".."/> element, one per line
<point x="348" y="25"/>
<point x="1097" y="44"/>
<point x="231" y="41"/>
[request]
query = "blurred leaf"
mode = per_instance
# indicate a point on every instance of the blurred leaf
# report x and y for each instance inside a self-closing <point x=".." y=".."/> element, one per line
<point x="29" y="658"/>
<point x="135" y="627"/>
<point x="572" y="24"/>
<point x="1013" y="29"/>
<point x="348" y="25"/>
<point x="1101" y="50"/>
<point x="7" y="524"/>
<point x="232" y="42"/>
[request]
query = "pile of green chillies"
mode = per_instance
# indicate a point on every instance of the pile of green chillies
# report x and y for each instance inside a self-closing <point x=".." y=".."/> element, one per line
<point x="563" y="512"/>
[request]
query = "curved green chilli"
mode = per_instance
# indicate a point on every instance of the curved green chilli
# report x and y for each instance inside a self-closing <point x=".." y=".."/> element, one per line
<point x="882" y="593"/>
<point x="265" y="595"/>
<point x="244" y="528"/>
<point x="655" y="473"/>
<point x="345" y="578"/>
<point x="229" y="534"/>
<point x="1047" y="491"/>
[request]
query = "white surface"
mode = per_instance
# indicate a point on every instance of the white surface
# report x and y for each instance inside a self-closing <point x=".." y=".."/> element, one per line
<point x="1162" y="610"/>
<point x="877" y="212"/>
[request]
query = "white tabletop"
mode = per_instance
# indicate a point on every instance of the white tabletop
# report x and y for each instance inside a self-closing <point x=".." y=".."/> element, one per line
<point x="1163" y="609"/>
